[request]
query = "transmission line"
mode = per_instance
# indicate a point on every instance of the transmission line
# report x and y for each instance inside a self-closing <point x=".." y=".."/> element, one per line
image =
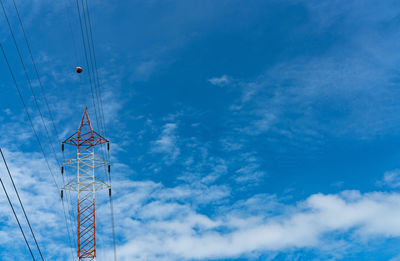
<point x="22" y="205"/>
<point x="29" y="82"/>
<point x="40" y="82"/>
<point x="92" y="70"/>
<point x="91" y="63"/>
<point x="87" y="60"/>
<point x="30" y="121"/>
<point x="27" y="113"/>
<point x="28" y="79"/>
<point x="36" y="70"/>
<point x="16" y="218"/>
<point x="96" y="77"/>
<point x="101" y="111"/>
<point x="89" y="35"/>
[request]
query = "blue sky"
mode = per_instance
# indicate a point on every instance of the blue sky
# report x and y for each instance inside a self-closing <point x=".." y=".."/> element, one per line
<point x="240" y="130"/>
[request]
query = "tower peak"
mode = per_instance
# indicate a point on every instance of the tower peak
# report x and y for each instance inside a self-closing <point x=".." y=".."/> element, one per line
<point x="85" y="136"/>
<point x="85" y="124"/>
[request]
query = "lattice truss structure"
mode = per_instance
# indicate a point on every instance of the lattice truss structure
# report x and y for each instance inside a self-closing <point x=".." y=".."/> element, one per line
<point x="86" y="184"/>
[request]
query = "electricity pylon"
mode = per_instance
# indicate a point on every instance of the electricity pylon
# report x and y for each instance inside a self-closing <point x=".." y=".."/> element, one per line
<point x="86" y="184"/>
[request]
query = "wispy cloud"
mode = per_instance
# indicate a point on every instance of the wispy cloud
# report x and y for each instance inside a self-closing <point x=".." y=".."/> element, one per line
<point x="200" y="216"/>
<point x="167" y="142"/>
<point x="391" y="178"/>
<point x="149" y="213"/>
<point x="351" y="82"/>
<point x="220" y="81"/>
<point x="42" y="204"/>
<point x="249" y="174"/>
<point x="180" y="232"/>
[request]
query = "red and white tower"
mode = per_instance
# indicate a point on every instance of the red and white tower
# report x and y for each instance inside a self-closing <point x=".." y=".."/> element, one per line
<point x="86" y="183"/>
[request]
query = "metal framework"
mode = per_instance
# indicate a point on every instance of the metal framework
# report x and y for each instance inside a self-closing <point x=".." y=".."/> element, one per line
<point x="86" y="184"/>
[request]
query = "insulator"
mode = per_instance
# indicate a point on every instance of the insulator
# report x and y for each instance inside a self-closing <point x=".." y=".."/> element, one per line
<point x="62" y="194"/>
<point x="62" y="147"/>
<point x="108" y="146"/>
<point x="109" y="168"/>
<point x="62" y="170"/>
<point x="109" y="192"/>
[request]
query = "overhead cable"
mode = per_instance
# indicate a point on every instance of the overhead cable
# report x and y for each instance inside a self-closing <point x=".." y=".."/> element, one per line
<point x="101" y="111"/>
<point x="22" y="205"/>
<point x="28" y="79"/>
<point x="30" y="121"/>
<point x="87" y="59"/>
<point x="16" y="218"/>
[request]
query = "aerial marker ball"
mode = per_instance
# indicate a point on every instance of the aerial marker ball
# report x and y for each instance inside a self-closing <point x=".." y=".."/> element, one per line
<point x="78" y="69"/>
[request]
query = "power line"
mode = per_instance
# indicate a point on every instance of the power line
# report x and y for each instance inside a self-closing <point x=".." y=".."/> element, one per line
<point x="28" y="114"/>
<point x="91" y="71"/>
<point x="30" y="86"/>
<point x="40" y="83"/>
<point x="22" y="205"/>
<point x="28" y="80"/>
<point x="101" y="111"/>
<point x="89" y="35"/>
<point x="36" y="70"/>
<point x="16" y="218"/>
<point x="101" y="123"/>
<point x="86" y="59"/>
<point x="71" y="31"/>
<point x="31" y="122"/>
<point x="96" y="78"/>
<point x="75" y="43"/>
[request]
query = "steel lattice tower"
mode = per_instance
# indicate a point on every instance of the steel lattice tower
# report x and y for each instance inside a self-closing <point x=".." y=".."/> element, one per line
<point x="86" y="183"/>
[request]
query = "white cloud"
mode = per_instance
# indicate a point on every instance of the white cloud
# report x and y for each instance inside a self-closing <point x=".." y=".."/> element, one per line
<point x="249" y="173"/>
<point x="42" y="203"/>
<point x="220" y="81"/>
<point x="265" y="122"/>
<point x="182" y="233"/>
<point x="167" y="142"/>
<point x="392" y="178"/>
<point x="199" y="222"/>
<point x="349" y="82"/>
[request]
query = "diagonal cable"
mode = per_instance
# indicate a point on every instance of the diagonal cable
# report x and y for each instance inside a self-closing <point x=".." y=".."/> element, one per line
<point x="31" y="122"/>
<point x="16" y="218"/>
<point x="28" y="79"/>
<point x="22" y="205"/>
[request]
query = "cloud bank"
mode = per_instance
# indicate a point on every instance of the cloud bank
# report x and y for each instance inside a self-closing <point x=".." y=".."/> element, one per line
<point x="261" y="224"/>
